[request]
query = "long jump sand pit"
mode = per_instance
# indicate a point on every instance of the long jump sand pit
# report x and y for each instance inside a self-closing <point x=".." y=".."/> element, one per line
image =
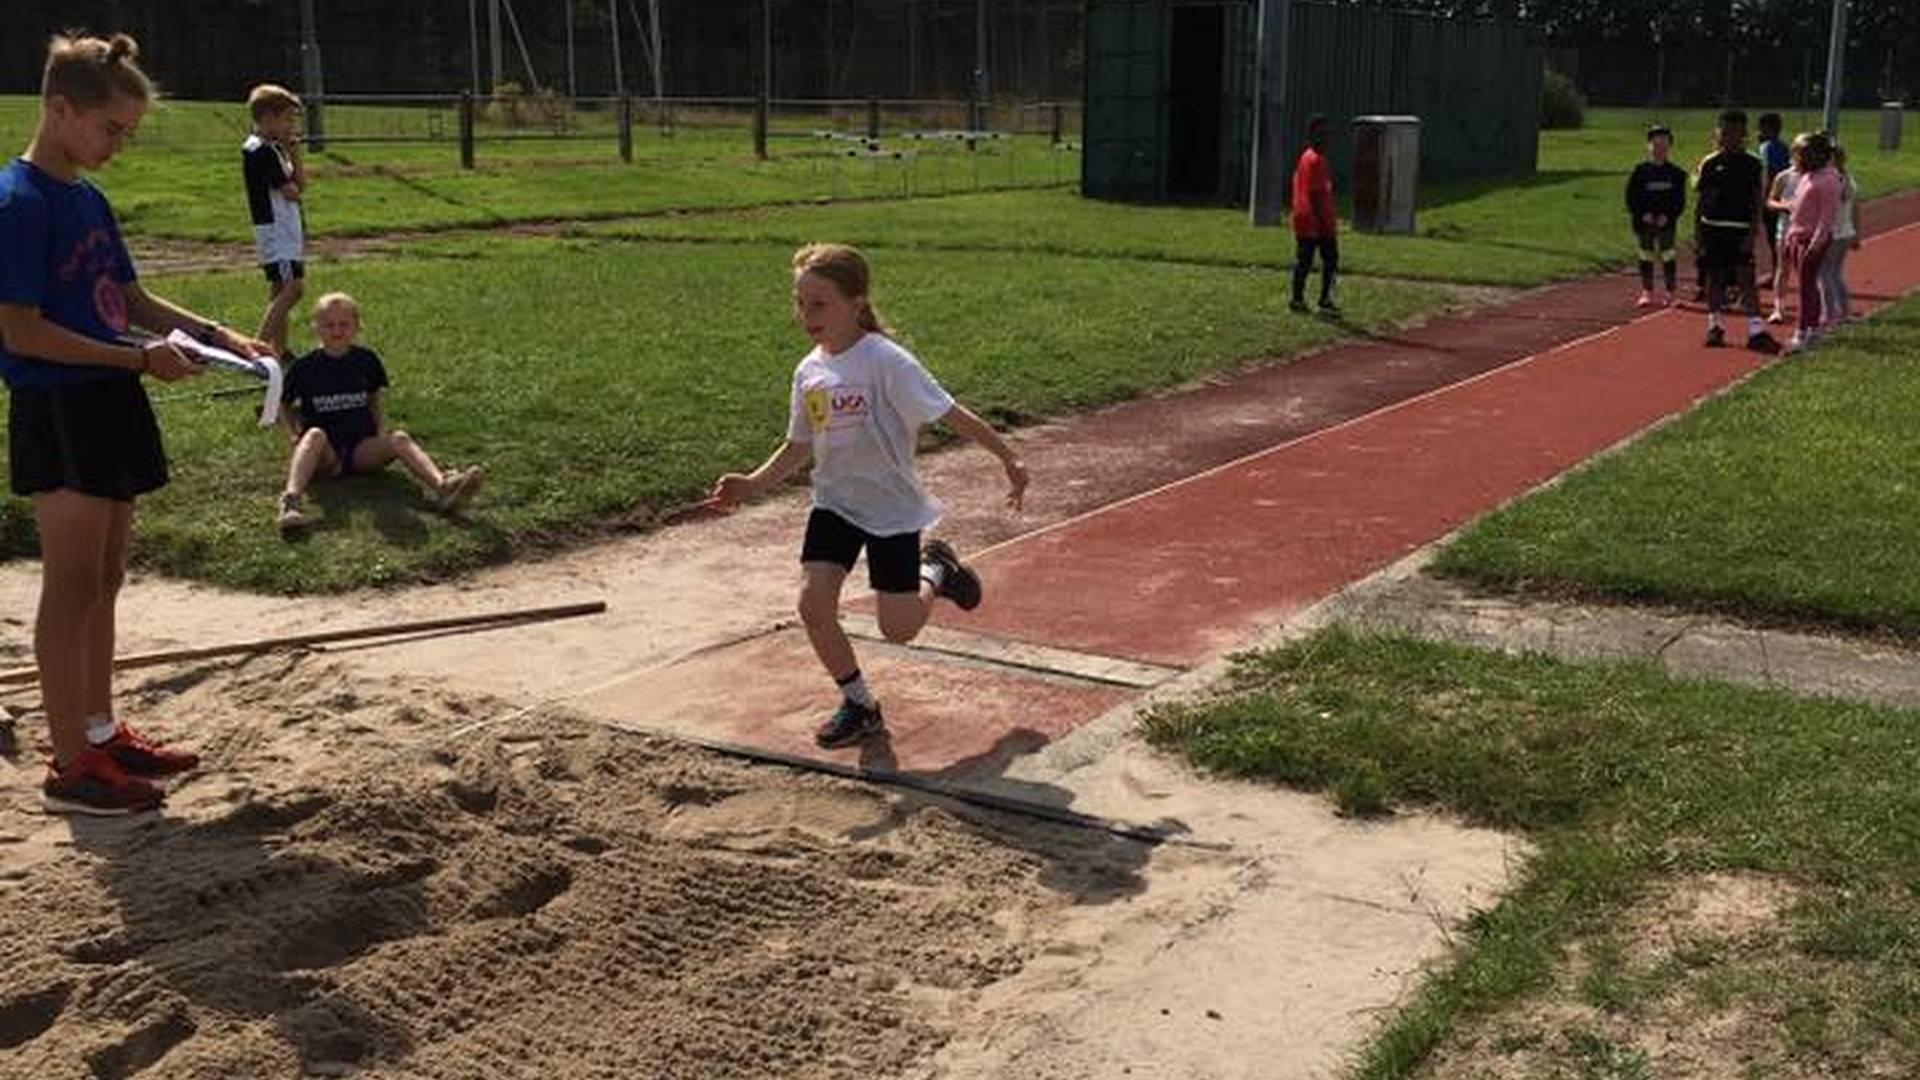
<point x="349" y="890"/>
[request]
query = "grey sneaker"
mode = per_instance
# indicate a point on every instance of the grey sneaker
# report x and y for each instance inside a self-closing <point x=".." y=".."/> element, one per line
<point x="958" y="582"/>
<point x="292" y="517"/>
<point x="460" y="486"/>
<point x="850" y="723"/>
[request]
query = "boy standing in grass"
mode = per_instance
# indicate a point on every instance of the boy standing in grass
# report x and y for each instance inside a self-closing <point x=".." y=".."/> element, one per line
<point x="1729" y="205"/>
<point x="1656" y="195"/>
<point x="1314" y="223"/>
<point x="276" y="180"/>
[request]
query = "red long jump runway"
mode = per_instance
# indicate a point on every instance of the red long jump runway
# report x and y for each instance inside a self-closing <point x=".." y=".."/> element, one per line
<point x="1191" y="571"/>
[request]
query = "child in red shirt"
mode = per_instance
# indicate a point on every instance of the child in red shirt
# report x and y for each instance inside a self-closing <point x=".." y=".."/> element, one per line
<point x="1313" y="219"/>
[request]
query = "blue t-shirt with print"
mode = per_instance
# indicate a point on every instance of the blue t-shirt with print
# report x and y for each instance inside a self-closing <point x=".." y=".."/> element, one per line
<point x="61" y="253"/>
<point x="335" y="393"/>
<point x="1777" y="155"/>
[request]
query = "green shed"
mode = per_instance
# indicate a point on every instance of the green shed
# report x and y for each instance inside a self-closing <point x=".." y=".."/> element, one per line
<point x="1170" y="93"/>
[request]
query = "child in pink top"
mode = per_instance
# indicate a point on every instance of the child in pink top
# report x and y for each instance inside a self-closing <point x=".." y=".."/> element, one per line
<point x="1816" y="205"/>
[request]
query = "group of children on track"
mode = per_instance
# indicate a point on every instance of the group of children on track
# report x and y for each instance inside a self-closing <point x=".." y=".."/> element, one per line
<point x="1798" y="198"/>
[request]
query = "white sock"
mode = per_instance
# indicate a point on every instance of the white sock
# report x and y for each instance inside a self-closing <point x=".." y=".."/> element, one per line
<point x="855" y="689"/>
<point x="1713" y="320"/>
<point x="100" y="728"/>
<point x="933" y="573"/>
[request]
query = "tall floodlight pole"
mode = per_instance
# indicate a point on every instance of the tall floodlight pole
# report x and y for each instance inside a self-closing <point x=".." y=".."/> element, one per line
<point x="310" y="75"/>
<point x="473" y="43"/>
<point x="980" y="87"/>
<point x="619" y="75"/>
<point x="1268" y="199"/>
<point x="495" y="42"/>
<point x="1836" y="65"/>
<point x="573" y="81"/>
<point x="763" y="104"/>
<point x="659" y="68"/>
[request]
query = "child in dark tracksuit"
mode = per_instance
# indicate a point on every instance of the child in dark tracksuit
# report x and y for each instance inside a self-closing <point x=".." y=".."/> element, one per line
<point x="1656" y="197"/>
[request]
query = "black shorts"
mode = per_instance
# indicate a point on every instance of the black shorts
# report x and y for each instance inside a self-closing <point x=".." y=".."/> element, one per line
<point x="1772" y="219"/>
<point x="1725" y="249"/>
<point x="893" y="562"/>
<point x="284" y="271"/>
<point x="97" y="438"/>
<point x="1657" y="239"/>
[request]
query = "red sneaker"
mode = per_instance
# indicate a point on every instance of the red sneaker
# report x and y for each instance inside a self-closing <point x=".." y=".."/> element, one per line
<point x="142" y="757"/>
<point x="94" y="783"/>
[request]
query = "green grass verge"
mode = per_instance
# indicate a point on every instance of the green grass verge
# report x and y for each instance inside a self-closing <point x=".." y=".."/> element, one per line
<point x="1794" y="496"/>
<point x="601" y="381"/>
<point x="1627" y="781"/>
<point x="181" y="178"/>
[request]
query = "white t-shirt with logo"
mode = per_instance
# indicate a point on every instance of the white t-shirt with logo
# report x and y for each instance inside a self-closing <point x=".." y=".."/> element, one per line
<point x="860" y="413"/>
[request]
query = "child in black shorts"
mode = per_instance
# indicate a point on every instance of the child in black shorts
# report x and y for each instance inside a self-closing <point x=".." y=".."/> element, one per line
<point x="337" y="422"/>
<point x="1656" y="196"/>
<point x="858" y="401"/>
<point x="1729" y="204"/>
<point x="81" y="436"/>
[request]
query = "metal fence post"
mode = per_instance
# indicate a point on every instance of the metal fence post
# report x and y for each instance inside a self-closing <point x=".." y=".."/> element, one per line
<point x="873" y="119"/>
<point x="626" y="128"/>
<point x="466" y="129"/>
<point x="1059" y="123"/>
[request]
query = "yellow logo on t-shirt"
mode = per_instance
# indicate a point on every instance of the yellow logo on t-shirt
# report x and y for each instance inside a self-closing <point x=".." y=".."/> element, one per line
<point x="818" y="409"/>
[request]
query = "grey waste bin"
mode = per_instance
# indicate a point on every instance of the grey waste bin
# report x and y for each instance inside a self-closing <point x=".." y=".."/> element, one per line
<point x="1891" y="119"/>
<point x="1386" y="172"/>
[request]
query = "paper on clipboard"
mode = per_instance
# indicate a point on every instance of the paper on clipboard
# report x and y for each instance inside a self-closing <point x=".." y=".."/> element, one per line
<point x="265" y="368"/>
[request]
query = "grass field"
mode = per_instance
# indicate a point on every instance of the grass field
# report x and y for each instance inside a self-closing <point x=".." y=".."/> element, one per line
<point x="181" y="177"/>
<point x="1633" y="786"/>
<point x="1795" y="497"/>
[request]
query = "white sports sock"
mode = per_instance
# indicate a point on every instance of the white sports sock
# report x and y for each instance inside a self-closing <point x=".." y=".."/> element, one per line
<point x="100" y="728"/>
<point x="933" y="573"/>
<point x="855" y="689"/>
<point x="1713" y="320"/>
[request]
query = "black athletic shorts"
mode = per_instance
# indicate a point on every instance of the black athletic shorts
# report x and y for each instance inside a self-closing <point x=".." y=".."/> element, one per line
<point x="97" y="438"/>
<point x="893" y="562"/>
<point x="285" y="270"/>
<point x="1725" y="249"/>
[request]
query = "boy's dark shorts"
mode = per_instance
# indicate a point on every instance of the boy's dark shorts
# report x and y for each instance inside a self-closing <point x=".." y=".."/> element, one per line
<point x="284" y="271"/>
<point x="893" y="562"/>
<point x="1725" y="249"/>
<point x="1658" y="240"/>
<point x="96" y="438"/>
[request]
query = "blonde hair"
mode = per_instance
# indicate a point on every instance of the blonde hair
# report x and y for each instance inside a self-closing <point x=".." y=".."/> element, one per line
<point x="89" y="71"/>
<point x="848" y="270"/>
<point x="334" y="300"/>
<point x="268" y="99"/>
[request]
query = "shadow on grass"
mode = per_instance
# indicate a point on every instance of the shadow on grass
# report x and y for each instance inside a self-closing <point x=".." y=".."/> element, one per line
<point x="1436" y="196"/>
<point x="391" y="503"/>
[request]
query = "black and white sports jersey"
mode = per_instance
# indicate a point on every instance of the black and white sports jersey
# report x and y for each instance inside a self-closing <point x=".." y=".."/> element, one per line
<point x="278" y="235"/>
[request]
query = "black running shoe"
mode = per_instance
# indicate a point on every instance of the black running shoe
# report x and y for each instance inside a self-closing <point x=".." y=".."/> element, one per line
<point x="1299" y="306"/>
<point x="849" y="724"/>
<point x="1763" y="342"/>
<point x="958" y="583"/>
<point x="1328" y="307"/>
<point x="1716" y="337"/>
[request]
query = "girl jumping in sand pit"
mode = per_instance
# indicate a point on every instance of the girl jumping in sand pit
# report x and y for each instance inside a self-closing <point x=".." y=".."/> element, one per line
<point x="858" y="402"/>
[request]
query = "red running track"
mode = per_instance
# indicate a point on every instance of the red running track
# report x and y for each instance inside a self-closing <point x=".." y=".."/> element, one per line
<point x="1194" y="569"/>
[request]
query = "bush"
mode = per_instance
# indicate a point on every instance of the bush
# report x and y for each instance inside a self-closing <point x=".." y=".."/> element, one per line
<point x="1561" y="103"/>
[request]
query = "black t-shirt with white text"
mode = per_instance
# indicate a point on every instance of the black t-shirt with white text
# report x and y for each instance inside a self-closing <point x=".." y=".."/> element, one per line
<point x="335" y="393"/>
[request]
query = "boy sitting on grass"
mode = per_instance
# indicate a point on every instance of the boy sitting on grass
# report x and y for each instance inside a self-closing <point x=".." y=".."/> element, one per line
<point x="336" y="418"/>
